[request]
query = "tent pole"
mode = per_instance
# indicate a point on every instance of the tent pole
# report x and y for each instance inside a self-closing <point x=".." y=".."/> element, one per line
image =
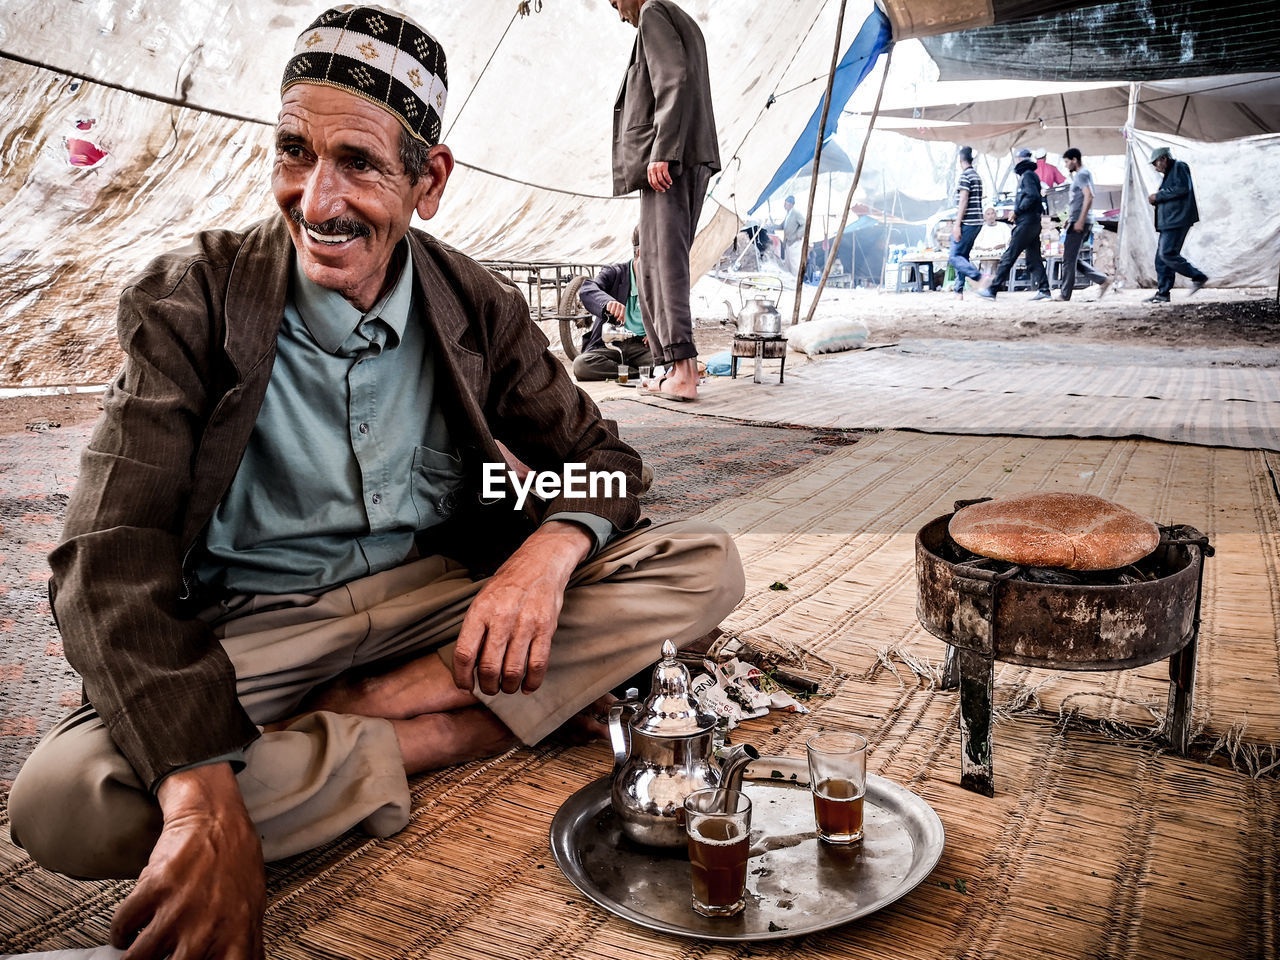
<point x="1121" y="233"/>
<point x="817" y="162"/>
<point x="848" y="201"/>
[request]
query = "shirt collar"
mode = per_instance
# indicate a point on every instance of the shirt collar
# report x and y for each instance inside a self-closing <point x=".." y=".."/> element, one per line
<point x="331" y="320"/>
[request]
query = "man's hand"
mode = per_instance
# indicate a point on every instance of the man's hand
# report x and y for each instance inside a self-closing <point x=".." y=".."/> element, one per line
<point x="615" y="309"/>
<point x="203" y="891"/>
<point x="505" y="640"/>
<point x="1151" y="199"/>
<point x="1078" y="227"/>
<point x="659" y="176"/>
<point x="955" y="232"/>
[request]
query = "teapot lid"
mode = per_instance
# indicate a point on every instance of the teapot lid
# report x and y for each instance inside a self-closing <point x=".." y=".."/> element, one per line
<point x="671" y="710"/>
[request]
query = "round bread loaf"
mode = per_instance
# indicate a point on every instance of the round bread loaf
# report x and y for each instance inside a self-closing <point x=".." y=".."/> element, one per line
<point x="1076" y="531"/>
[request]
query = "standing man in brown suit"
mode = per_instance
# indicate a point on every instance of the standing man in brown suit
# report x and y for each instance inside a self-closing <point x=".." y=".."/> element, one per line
<point x="286" y="578"/>
<point x="664" y="145"/>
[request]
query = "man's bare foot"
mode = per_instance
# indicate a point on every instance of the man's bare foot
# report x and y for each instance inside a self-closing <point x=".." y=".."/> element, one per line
<point x="681" y="381"/>
<point x="436" y="740"/>
<point x="421" y="686"/>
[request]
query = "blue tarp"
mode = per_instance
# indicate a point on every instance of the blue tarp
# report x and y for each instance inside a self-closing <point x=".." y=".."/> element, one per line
<point x="872" y="40"/>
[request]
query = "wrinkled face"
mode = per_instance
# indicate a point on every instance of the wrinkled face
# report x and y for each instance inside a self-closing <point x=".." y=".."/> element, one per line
<point x="343" y="190"/>
<point x="628" y="10"/>
<point x="1162" y="163"/>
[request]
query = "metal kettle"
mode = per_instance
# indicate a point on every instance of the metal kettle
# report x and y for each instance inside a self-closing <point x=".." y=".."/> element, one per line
<point x="759" y="316"/>
<point x="663" y="751"/>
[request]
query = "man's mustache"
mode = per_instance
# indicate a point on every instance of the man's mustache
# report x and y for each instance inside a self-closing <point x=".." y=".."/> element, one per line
<point x="338" y="226"/>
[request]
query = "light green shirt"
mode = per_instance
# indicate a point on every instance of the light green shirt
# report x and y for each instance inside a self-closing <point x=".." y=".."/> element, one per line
<point x="631" y="319"/>
<point x="350" y="456"/>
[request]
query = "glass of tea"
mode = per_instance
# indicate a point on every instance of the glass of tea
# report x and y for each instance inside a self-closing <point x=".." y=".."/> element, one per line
<point x="624" y="373"/>
<point x="718" y="823"/>
<point x="838" y="779"/>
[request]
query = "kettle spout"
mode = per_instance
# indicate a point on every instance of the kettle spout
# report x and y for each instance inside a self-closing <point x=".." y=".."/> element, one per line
<point x="735" y="765"/>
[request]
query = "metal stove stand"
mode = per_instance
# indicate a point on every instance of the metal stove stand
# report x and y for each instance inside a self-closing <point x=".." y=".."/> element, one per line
<point x="750" y="345"/>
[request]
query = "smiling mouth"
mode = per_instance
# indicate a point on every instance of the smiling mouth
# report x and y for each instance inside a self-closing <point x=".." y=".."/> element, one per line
<point x="331" y="233"/>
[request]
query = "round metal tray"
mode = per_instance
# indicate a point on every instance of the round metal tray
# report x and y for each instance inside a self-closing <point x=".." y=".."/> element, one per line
<point x="796" y="884"/>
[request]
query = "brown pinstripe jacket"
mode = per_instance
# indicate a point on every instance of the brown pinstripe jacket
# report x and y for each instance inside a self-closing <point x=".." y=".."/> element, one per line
<point x="198" y="329"/>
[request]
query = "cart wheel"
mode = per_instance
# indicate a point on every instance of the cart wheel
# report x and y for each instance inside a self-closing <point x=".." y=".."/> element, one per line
<point x="567" y="339"/>
<point x="571" y="314"/>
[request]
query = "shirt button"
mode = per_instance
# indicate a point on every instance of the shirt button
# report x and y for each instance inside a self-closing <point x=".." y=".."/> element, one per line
<point x="377" y="498"/>
<point x="364" y="428"/>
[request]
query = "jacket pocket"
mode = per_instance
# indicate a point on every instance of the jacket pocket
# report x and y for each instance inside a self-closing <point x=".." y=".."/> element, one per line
<point x="637" y="145"/>
<point x="637" y="98"/>
<point x="435" y="484"/>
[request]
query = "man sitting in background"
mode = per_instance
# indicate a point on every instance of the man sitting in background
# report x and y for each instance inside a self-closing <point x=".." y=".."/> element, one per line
<point x="612" y="296"/>
<point x="992" y="238"/>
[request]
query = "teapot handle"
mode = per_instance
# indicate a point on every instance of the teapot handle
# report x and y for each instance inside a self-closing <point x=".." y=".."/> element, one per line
<point x="759" y="280"/>
<point x="619" y="730"/>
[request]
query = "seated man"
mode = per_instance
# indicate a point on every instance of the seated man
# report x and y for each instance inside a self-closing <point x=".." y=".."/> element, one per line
<point x="992" y="238"/>
<point x="288" y="577"/>
<point x="612" y="296"/>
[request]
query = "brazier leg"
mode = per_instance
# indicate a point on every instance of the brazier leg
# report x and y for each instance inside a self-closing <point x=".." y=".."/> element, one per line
<point x="950" y="670"/>
<point x="1182" y="691"/>
<point x="976" y="680"/>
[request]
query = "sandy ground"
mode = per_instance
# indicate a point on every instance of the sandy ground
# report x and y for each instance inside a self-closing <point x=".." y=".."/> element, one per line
<point x="1225" y="318"/>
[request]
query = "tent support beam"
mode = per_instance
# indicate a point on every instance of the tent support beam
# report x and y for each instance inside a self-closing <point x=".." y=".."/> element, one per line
<point x="1122" y="234"/>
<point x="817" y="162"/>
<point x="848" y="201"/>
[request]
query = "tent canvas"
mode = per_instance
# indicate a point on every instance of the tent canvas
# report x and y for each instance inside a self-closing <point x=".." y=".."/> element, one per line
<point x="1002" y="115"/>
<point x="181" y="100"/>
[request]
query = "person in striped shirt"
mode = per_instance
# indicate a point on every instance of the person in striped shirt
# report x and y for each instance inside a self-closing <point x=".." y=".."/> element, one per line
<point x="968" y="221"/>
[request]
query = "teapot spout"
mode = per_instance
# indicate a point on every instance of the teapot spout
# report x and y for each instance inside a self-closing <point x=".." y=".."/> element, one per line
<point x="735" y="765"/>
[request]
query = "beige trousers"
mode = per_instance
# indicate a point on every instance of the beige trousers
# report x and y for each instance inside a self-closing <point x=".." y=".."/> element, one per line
<point x="78" y="808"/>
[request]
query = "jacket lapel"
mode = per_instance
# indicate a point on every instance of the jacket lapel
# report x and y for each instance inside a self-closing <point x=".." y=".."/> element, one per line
<point x="256" y="290"/>
<point x="253" y="310"/>
<point x="463" y="369"/>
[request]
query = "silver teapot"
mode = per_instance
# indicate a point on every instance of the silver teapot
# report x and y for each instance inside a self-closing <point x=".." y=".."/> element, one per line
<point x="759" y="316"/>
<point x="663" y="751"/>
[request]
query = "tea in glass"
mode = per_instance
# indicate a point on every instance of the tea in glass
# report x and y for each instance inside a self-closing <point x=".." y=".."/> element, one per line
<point x="838" y="779"/>
<point x="718" y="823"/>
